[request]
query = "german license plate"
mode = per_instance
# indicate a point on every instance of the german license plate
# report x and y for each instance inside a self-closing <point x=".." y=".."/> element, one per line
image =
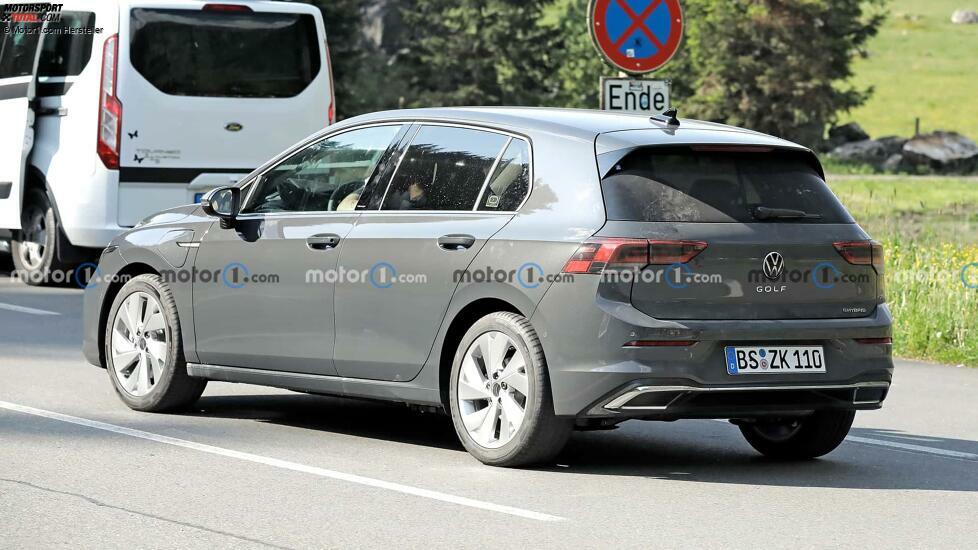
<point x="774" y="360"/>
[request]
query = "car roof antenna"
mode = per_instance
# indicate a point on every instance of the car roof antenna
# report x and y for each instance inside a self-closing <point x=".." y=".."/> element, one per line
<point x="669" y="117"/>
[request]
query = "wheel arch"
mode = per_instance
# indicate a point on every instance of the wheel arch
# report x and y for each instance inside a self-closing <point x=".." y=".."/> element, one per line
<point x="464" y="319"/>
<point x="124" y="275"/>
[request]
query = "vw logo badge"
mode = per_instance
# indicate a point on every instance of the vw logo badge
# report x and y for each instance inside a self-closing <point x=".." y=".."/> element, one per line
<point x="773" y="265"/>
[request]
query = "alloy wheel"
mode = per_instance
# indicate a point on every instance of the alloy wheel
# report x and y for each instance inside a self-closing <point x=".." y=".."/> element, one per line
<point x="35" y="239"/>
<point x="493" y="389"/>
<point x="139" y="343"/>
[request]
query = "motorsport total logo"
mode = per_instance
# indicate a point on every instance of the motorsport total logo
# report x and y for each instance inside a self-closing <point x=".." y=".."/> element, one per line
<point x="30" y="13"/>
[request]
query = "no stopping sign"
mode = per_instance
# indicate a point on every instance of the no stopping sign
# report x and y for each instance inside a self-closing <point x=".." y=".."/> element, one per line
<point x="636" y="36"/>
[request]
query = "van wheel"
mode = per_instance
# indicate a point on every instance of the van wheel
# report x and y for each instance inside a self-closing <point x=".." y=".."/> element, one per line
<point x="500" y="397"/>
<point x="34" y="247"/>
<point x="800" y="438"/>
<point x="143" y="349"/>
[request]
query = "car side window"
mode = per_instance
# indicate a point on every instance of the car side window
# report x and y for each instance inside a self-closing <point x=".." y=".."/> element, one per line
<point x="510" y="182"/>
<point x="65" y="51"/>
<point x="445" y="168"/>
<point x="328" y="175"/>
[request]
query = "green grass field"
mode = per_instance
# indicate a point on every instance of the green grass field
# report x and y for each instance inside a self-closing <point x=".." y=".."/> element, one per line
<point x="929" y="228"/>
<point x="923" y="66"/>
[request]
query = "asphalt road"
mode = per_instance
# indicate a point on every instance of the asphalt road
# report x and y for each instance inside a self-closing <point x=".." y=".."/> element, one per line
<point x="258" y="467"/>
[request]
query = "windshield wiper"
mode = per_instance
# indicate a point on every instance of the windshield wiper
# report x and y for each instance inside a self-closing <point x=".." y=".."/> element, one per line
<point x="765" y="213"/>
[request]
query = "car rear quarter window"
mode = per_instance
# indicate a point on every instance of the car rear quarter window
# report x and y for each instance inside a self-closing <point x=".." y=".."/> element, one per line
<point x="66" y="53"/>
<point x="445" y="168"/>
<point x="510" y="181"/>
<point x="716" y="186"/>
<point x="224" y="54"/>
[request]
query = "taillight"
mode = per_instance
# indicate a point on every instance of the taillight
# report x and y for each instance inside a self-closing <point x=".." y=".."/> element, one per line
<point x="226" y="7"/>
<point x="599" y="253"/>
<point x="110" y="109"/>
<point x="862" y="253"/>
<point x="883" y="340"/>
<point x="674" y="252"/>
<point x="866" y="253"/>
<point x="331" y="111"/>
<point x="596" y="254"/>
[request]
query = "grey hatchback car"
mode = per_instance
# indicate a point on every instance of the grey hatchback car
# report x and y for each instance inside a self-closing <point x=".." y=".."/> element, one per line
<point x="528" y="271"/>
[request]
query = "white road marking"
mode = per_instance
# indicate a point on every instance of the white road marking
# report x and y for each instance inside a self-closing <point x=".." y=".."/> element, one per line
<point x="903" y="446"/>
<point x="284" y="464"/>
<point x="912" y="447"/>
<point x="22" y="309"/>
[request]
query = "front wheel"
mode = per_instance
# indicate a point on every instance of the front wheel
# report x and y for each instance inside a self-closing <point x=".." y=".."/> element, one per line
<point x="500" y="397"/>
<point x="800" y="438"/>
<point x="143" y="351"/>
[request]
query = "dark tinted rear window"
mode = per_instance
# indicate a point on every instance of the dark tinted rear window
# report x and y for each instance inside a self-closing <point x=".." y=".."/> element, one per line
<point x="683" y="185"/>
<point x="222" y="54"/>
<point x="63" y="52"/>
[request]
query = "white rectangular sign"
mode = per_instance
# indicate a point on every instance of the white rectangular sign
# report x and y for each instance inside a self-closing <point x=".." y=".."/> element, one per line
<point x="634" y="95"/>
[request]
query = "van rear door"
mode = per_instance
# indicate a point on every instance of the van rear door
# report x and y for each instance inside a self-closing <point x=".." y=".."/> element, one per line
<point x="18" y="67"/>
<point x="210" y="92"/>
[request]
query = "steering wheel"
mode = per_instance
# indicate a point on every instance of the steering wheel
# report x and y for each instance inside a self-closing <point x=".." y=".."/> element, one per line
<point x="341" y="192"/>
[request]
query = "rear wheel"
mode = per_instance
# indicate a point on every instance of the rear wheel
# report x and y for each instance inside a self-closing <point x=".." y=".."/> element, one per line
<point x="500" y="396"/>
<point x="799" y="438"/>
<point x="34" y="247"/>
<point x="143" y="350"/>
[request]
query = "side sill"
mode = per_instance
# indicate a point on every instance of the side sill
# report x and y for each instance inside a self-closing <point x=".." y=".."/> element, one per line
<point x="401" y="392"/>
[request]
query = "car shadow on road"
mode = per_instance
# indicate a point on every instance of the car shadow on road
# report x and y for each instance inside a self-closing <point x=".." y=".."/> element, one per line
<point x="691" y="451"/>
<point x="368" y="419"/>
<point x="708" y="456"/>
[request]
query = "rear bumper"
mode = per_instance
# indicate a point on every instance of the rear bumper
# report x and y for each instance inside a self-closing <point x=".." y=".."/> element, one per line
<point x="688" y="401"/>
<point x="583" y="337"/>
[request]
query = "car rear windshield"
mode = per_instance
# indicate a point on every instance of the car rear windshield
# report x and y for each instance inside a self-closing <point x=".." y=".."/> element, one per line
<point x="719" y="186"/>
<point x="224" y="54"/>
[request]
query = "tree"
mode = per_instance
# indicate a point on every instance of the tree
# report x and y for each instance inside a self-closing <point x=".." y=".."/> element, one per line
<point x="776" y="66"/>
<point x="478" y="52"/>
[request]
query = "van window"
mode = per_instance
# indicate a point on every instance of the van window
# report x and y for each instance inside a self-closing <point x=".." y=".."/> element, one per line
<point x="444" y="169"/>
<point x="18" y="48"/>
<point x="224" y="54"/>
<point x="686" y="185"/>
<point x="510" y="182"/>
<point x="64" y="53"/>
<point x="328" y="175"/>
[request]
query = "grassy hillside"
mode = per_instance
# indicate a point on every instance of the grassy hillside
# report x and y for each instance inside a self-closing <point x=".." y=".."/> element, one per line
<point x="923" y="66"/>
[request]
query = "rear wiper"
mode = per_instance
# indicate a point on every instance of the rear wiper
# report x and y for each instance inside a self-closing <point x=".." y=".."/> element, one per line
<point x="765" y="213"/>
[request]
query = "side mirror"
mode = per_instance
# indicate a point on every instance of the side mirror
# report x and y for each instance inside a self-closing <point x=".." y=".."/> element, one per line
<point x="223" y="203"/>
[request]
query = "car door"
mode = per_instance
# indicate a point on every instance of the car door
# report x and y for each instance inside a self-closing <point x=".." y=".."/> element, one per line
<point x="19" y="49"/>
<point x="406" y="252"/>
<point x="263" y="289"/>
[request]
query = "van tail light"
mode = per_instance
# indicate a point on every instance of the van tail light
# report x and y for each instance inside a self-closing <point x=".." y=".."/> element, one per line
<point x="226" y="7"/>
<point x="331" y="111"/>
<point x="110" y="108"/>
<point x="603" y="252"/>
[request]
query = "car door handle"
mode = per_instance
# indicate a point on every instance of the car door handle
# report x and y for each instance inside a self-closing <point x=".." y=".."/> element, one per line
<point x="323" y="241"/>
<point x="456" y="242"/>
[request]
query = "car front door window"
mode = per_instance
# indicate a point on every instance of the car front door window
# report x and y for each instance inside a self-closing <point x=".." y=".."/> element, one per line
<point x="328" y="175"/>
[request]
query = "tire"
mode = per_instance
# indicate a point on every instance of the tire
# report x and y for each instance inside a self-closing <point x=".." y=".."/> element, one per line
<point x="539" y="435"/>
<point x="800" y="439"/>
<point x="34" y="248"/>
<point x="168" y="387"/>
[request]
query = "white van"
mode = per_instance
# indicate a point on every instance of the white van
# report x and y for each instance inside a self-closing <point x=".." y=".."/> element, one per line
<point x="111" y="110"/>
